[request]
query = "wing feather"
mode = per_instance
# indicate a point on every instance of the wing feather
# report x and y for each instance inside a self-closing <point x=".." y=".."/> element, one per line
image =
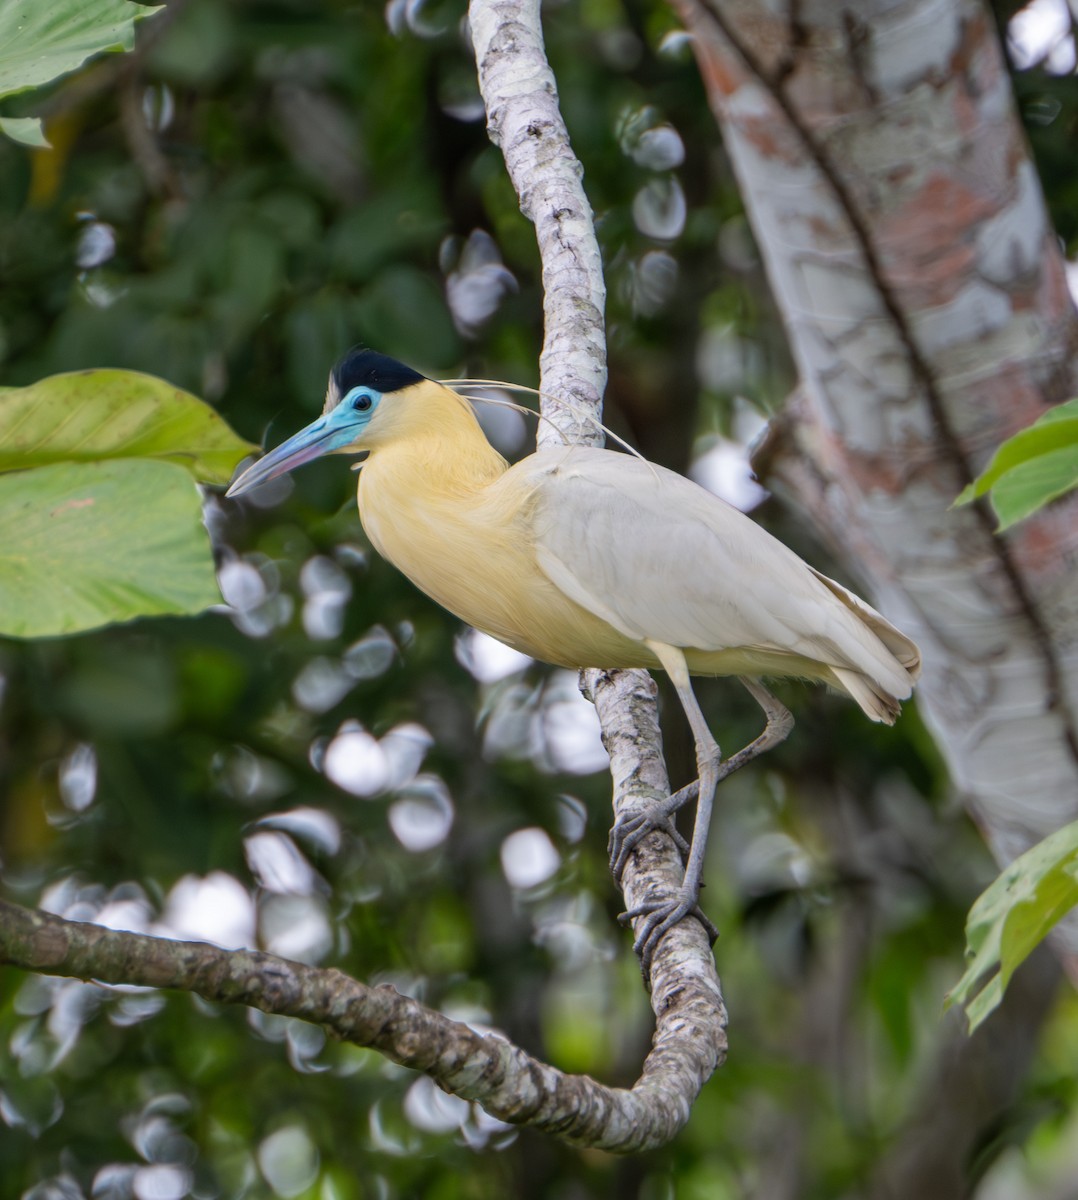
<point x="659" y="558"/>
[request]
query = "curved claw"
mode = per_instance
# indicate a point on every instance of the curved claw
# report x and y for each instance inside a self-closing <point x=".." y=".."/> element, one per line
<point x="662" y="915"/>
<point x="628" y="833"/>
<point x="659" y="916"/>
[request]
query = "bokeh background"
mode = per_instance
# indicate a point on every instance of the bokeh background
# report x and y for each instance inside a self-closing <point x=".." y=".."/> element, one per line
<point x="331" y="768"/>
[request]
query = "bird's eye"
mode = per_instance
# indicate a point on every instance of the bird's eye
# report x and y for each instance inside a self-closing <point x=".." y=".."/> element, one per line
<point x="361" y="403"/>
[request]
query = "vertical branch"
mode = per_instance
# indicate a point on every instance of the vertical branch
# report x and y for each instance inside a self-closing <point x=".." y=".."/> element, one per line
<point x="524" y="120"/>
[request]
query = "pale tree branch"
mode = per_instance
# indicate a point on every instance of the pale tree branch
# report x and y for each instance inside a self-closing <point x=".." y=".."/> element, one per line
<point x="688" y="1044"/>
<point x="524" y="120"/>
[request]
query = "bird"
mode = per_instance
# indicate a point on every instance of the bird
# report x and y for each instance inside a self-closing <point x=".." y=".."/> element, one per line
<point x="585" y="557"/>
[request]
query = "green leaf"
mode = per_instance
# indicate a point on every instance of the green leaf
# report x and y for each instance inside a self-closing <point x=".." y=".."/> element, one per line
<point x="1044" y="437"/>
<point x="86" y="416"/>
<point x="1027" y="488"/>
<point x="1066" y="411"/>
<point x="1032" y="468"/>
<point x="88" y="544"/>
<point x="40" y="41"/>
<point x="1012" y="916"/>
<point x="27" y="131"/>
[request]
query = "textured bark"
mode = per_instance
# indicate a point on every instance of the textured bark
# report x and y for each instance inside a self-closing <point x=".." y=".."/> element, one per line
<point x="907" y="243"/>
<point x="507" y="1082"/>
<point x="524" y="120"/>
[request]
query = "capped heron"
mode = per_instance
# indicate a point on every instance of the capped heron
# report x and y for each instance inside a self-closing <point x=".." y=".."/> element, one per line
<point x="583" y="557"/>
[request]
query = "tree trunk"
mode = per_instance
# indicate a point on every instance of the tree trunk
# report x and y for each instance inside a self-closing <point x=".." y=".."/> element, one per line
<point x="924" y="296"/>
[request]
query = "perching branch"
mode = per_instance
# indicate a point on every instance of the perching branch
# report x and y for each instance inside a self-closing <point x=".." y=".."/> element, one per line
<point x="524" y="120"/>
<point x="505" y="1080"/>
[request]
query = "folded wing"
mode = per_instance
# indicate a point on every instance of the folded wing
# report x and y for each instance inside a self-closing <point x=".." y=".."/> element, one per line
<point x="661" y="559"/>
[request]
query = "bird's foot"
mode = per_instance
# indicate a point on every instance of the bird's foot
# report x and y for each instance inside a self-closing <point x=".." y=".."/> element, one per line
<point x="629" y="832"/>
<point x="660" y="916"/>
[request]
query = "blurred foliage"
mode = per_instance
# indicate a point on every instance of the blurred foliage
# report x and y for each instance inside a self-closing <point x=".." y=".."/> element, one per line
<point x="333" y="769"/>
<point x="41" y="42"/>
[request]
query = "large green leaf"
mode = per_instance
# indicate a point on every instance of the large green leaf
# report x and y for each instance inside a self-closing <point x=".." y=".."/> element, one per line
<point x="43" y="39"/>
<point x="86" y="416"/>
<point x="1035" y="466"/>
<point x="1012" y="916"/>
<point x="88" y="544"/>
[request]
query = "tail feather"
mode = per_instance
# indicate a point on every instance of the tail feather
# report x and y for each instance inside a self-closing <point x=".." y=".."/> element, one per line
<point x="900" y="646"/>
<point x="876" y="703"/>
<point x="888" y="667"/>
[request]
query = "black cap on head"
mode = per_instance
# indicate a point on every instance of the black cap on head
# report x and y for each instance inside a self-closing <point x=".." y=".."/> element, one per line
<point x="366" y="368"/>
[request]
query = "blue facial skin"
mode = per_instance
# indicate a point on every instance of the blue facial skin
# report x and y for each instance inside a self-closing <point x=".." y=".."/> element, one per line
<point x="332" y="432"/>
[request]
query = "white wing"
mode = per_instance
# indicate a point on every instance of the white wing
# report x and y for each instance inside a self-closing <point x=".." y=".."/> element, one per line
<point x="660" y="558"/>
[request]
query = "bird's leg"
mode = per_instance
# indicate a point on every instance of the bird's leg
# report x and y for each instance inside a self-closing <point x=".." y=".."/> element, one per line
<point x="661" y="915"/>
<point x="779" y="723"/>
<point x="629" y="833"/>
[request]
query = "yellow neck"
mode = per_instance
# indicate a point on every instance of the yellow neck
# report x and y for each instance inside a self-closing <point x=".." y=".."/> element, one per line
<point x="430" y="501"/>
<point x="429" y="441"/>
